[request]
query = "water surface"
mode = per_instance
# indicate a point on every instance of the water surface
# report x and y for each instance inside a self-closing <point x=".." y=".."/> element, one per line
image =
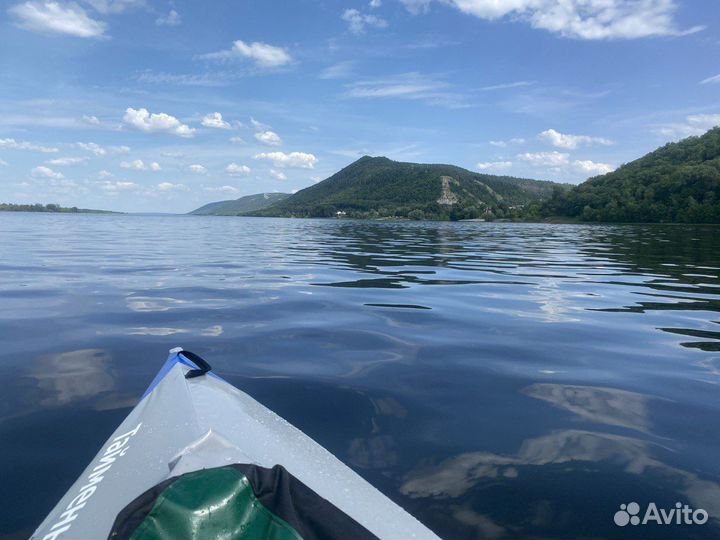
<point x="497" y="380"/>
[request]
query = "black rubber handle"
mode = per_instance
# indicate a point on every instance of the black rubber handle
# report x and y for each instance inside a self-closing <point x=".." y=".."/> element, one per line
<point x="203" y="366"/>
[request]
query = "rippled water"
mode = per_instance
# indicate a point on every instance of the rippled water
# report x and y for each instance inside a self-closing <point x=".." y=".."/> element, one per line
<point x="497" y="380"/>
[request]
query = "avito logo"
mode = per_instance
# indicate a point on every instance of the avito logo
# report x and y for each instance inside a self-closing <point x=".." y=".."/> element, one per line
<point x="682" y="514"/>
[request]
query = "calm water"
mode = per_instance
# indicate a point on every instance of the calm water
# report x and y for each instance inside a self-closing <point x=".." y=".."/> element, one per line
<point x="497" y="380"/>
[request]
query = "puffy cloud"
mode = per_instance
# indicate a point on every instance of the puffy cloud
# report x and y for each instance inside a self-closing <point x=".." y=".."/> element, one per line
<point x="546" y="159"/>
<point x="570" y="142"/>
<point x="58" y="18"/>
<point x="237" y="140"/>
<point x="46" y="172"/>
<point x="168" y="186"/>
<point x="197" y="169"/>
<point x="375" y="3"/>
<point x="711" y="80"/>
<point x="300" y="160"/>
<point x="237" y="170"/>
<point x="262" y="54"/>
<point x="92" y="120"/>
<point x="416" y="7"/>
<point x="695" y="124"/>
<point x="357" y="21"/>
<point x="580" y="19"/>
<point x="139" y="165"/>
<point x="268" y="137"/>
<point x="494" y="165"/>
<point x="103" y="150"/>
<point x="592" y="168"/>
<point x="116" y="187"/>
<point x="135" y="165"/>
<point x="278" y="175"/>
<point x="102" y="175"/>
<point x="215" y="120"/>
<point x="66" y="161"/>
<point x="12" y="144"/>
<point x="171" y="19"/>
<point x="143" y="120"/>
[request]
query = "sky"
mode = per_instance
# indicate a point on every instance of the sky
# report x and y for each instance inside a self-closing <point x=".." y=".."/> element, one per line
<point x="162" y="106"/>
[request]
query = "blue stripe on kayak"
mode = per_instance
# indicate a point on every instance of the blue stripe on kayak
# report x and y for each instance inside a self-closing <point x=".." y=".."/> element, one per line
<point x="173" y="359"/>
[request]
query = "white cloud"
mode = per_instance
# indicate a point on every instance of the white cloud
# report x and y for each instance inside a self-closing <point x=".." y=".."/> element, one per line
<point x="215" y="120"/>
<point x="46" y="172"/>
<point x="416" y="7"/>
<point x="494" y="165"/>
<point x="571" y="142"/>
<point x="237" y="170"/>
<point x="103" y="150"/>
<point x="136" y="165"/>
<point x="113" y="7"/>
<point x="224" y="189"/>
<point x="278" y="175"/>
<point x="341" y="70"/>
<point x="300" y="160"/>
<point x="504" y="86"/>
<point x="3" y="163"/>
<point x="237" y="140"/>
<point x="66" y="161"/>
<point x="411" y="85"/>
<point x="695" y="124"/>
<point x="92" y="120"/>
<point x="57" y="17"/>
<point x="259" y="126"/>
<point x="102" y="175"/>
<point x="143" y="120"/>
<point x="168" y="186"/>
<point x="155" y="166"/>
<point x="580" y="19"/>
<point x="503" y="144"/>
<point x="592" y="168"/>
<point x="546" y="159"/>
<point x="12" y="144"/>
<point x="268" y="137"/>
<point x="171" y="19"/>
<point x="375" y="3"/>
<point x="711" y="80"/>
<point x="197" y="169"/>
<point x="115" y="187"/>
<point x="262" y="54"/>
<point x="357" y="21"/>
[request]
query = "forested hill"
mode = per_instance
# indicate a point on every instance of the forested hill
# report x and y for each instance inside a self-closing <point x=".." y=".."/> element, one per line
<point x="240" y="206"/>
<point x="52" y="208"/>
<point x="374" y="187"/>
<point x="679" y="182"/>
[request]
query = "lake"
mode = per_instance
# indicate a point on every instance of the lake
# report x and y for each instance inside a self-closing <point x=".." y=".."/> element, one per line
<point x="497" y="380"/>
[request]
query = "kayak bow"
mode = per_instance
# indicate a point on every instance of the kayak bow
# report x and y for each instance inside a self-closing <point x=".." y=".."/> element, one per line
<point x="198" y="458"/>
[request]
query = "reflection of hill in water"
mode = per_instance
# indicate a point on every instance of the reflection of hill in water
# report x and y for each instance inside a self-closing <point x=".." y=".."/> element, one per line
<point x="672" y="268"/>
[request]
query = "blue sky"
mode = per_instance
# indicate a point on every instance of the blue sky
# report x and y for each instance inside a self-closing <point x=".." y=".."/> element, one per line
<point x="148" y="105"/>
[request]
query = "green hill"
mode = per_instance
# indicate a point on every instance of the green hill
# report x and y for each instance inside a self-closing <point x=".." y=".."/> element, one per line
<point x="679" y="182"/>
<point x="243" y="205"/>
<point x="50" y="208"/>
<point x="375" y="187"/>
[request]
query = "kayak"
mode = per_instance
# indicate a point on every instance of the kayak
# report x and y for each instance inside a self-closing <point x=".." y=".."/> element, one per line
<point x="198" y="458"/>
